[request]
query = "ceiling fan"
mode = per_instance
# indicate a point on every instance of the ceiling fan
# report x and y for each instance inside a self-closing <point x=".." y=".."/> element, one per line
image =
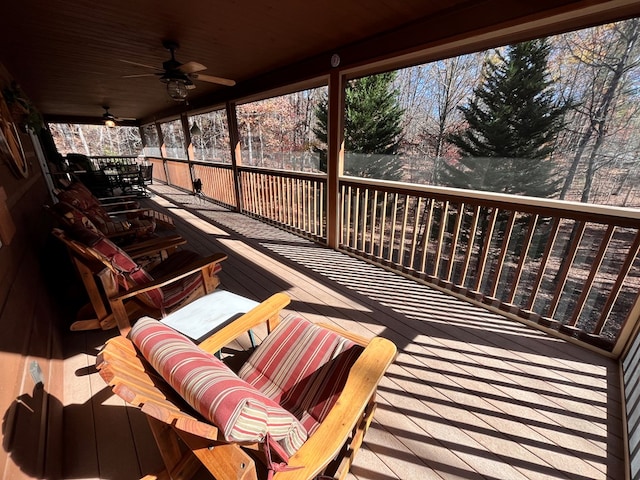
<point x="110" y="119"/>
<point x="178" y="76"/>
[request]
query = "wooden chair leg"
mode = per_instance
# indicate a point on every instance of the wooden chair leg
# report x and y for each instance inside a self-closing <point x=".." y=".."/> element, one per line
<point x="178" y="466"/>
<point x="225" y="461"/>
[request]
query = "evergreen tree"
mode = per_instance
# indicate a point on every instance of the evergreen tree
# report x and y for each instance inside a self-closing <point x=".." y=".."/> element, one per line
<point x="512" y="121"/>
<point x="372" y="128"/>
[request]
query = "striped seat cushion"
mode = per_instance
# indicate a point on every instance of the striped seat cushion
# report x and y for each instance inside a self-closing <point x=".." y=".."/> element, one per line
<point x="303" y="367"/>
<point x="240" y="411"/>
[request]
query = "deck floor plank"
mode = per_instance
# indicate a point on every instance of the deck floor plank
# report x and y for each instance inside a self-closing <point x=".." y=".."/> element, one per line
<point x="471" y="395"/>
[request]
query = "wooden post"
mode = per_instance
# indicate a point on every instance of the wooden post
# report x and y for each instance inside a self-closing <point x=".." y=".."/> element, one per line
<point x="236" y="157"/>
<point x="184" y="121"/>
<point x="335" y="155"/>
<point x="163" y="151"/>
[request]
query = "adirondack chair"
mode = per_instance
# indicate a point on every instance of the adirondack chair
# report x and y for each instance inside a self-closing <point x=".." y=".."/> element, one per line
<point x="121" y="288"/>
<point x="96" y="314"/>
<point x="113" y="223"/>
<point x="298" y="408"/>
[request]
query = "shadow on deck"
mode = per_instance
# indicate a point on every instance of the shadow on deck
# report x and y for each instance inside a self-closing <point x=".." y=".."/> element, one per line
<point x="471" y="395"/>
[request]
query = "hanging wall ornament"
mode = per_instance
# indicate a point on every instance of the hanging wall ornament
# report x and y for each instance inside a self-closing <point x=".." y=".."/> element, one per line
<point x="10" y="146"/>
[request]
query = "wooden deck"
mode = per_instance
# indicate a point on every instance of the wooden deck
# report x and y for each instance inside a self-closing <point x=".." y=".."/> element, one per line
<point x="472" y="395"/>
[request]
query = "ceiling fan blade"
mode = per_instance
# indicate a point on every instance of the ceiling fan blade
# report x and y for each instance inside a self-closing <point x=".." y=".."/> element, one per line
<point x="140" y="75"/>
<point x="139" y="64"/>
<point x="191" y="67"/>
<point x="212" y="79"/>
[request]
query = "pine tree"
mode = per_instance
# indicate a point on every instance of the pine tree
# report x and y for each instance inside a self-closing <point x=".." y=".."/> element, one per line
<point x="512" y="121"/>
<point x="372" y="128"/>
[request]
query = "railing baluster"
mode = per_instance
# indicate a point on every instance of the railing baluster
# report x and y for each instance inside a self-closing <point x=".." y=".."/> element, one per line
<point x="443" y="228"/>
<point x="308" y="228"/>
<point x="403" y="231"/>
<point x="426" y="234"/>
<point x="365" y="209"/>
<point x="383" y="225"/>
<point x="347" y="222"/>
<point x="416" y="223"/>
<point x="282" y="200"/>
<point x="567" y="261"/>
<point x="551" y="239"/>
<point x="524" y="253"/>
<point x="322" y="216"/>
<point x="615" y="291"/>
<point x="470" y="245"/>
<point x="393" y="227"/>
<point x="314" y="208"/>
<point x="482" y="261"/>
<point x="503" y="253"/>
<point x="595" y="266"/>
<point x="374" y="206"/>
<point x="454" y="241"/>
<point x="356" y="217"/>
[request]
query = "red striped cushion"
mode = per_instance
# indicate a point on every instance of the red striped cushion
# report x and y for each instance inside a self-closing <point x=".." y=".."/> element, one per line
<point x="303" y="367"/>
<point x="129" y="273"/>
<point x="79" y="196"/>
<point x="241" y="412"/>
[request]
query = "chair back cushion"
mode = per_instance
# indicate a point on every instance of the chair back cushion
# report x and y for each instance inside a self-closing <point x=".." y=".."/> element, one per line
<point x="128" y="272"/>
<point x="241" y="412"/>
<point x="81" y="198"/>
<point x="303" y="367"/>
<point x="76" y="224"/>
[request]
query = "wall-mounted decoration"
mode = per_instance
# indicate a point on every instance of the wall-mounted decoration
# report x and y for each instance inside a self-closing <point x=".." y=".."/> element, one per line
<point x="25" y="115"/>
<point x="7" y="227"/>
<point x="10" y="146"/>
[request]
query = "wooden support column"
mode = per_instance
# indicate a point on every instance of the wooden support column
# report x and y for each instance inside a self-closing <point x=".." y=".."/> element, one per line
<point x="163" y="151"/>
<point x="335" y="155"/>
<point x="188" y="145"/>
<point x="236" y="157"/>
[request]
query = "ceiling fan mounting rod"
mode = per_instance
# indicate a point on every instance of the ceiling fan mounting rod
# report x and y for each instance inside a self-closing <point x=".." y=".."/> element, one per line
<point x="171" y="45"/>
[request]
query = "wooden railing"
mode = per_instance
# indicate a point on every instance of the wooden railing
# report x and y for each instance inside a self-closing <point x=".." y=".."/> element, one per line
<point x="295" y="200"/>
<point x="567" y="267"/>
<point x="159" y="172"/>
<point x="217" y="182"/>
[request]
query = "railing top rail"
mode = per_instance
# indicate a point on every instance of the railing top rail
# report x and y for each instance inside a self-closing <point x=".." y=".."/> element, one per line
<point x="284" y="173"/>
<point x="212" y="164"/>
<point x="622" y="216"/>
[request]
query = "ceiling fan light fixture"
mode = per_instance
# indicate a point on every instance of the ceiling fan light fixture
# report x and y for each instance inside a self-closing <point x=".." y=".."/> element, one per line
<point x="109" y="119"/>
<point x="177" y="89"/>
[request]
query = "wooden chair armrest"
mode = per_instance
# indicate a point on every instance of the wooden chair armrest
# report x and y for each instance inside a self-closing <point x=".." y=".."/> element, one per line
<point x="268" y="311"/>
<point x="154" y="245"/>
<point x="131" y="210"/>
<point x="168" y="279"/>
<point x="329" y="438"/>
<point x="118" y="198"/>
<point x="122" y="204"/>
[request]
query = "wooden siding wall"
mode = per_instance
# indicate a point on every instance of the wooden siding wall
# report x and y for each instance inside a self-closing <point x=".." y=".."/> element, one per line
<point x="29" y="333"/>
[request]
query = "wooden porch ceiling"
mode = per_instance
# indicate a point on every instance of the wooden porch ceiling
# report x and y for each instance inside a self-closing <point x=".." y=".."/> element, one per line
<point x="67" y="54"/>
